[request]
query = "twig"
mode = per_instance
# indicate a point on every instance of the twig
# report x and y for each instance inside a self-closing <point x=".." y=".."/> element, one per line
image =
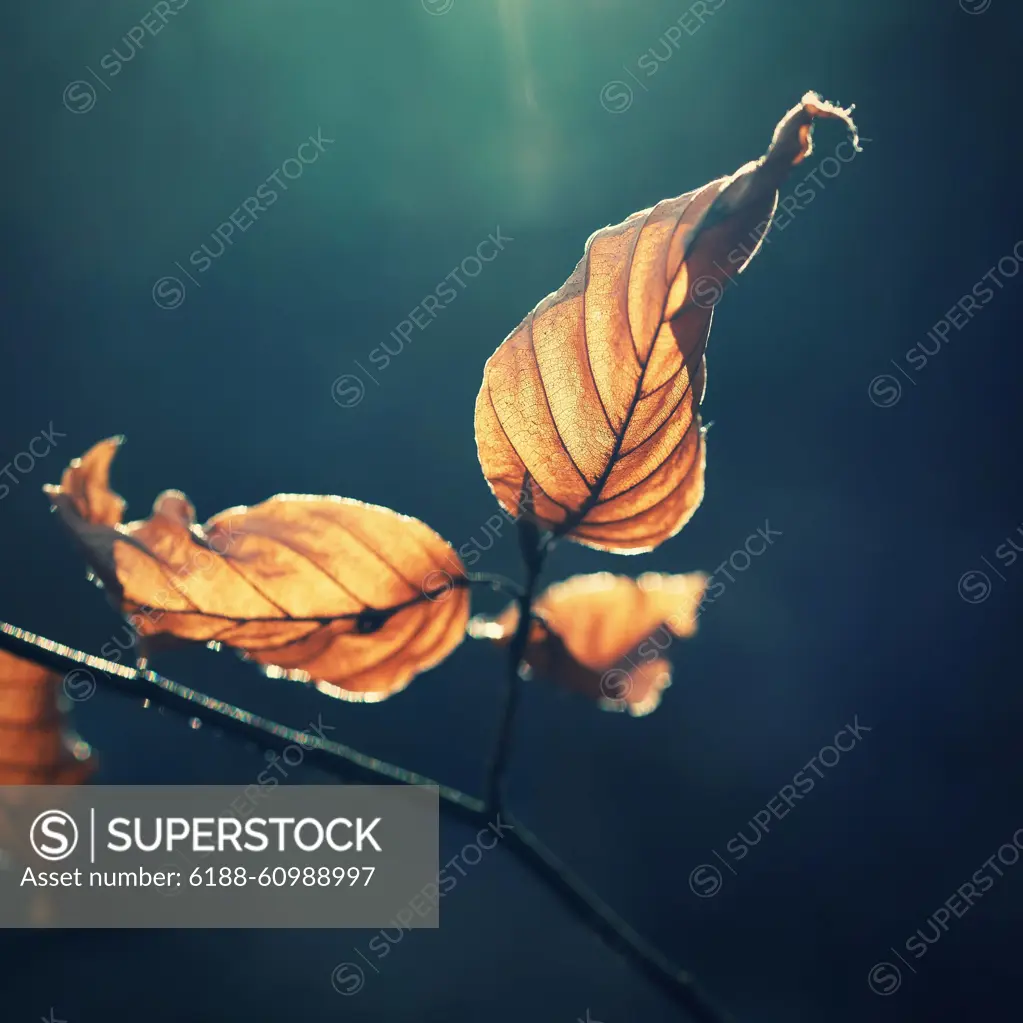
<point x="190" y="703"/>
<point x="348" y="764"/>
<point x="534" y="551"/>
<point x="679" y="986"/>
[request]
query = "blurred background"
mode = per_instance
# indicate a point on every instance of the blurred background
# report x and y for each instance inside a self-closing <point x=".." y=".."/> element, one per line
<point x="890" y="470"/>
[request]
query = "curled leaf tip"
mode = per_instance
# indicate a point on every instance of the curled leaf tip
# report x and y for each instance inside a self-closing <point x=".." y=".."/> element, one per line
<point x="175" y="505"/>
<point x="792" y="141"/>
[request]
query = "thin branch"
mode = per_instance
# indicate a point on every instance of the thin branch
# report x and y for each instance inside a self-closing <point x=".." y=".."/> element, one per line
<point x="534" y="551"/>
<point x="502" y="745"/>
<point x="348" y="764"/>
<point x="676" y="984"/>
<point x="190" y="703"/>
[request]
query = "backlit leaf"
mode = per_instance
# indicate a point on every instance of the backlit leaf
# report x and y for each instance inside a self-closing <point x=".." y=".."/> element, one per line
<point x="353" y="596"/>
<point x="591" y="405"/>
<point x="604" y="635"/>
<point x="36" y="744"/>
<point x="37" y="748"/>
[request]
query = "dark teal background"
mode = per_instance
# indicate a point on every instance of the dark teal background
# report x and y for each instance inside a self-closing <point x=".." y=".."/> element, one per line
<point x="447" y="126"/>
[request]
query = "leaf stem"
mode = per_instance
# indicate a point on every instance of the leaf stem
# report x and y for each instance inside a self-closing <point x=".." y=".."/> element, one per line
<point x="348" y="764"/>
<point x="534" y="552"/>
<point x="499" y="583"/>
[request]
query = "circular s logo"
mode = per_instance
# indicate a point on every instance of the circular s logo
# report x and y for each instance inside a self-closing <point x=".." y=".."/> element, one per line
<point x="79" y="685"/>
<point x="79" y="97"/>
<point x="884" y="390"/>
<point x="884" y="979"/>
<point x="53" y="835"/>
<point x="347" y="979"/>
<point x="616" y="97"/>
<point x="616" y="684"/>
<point x="974" y="587"/>
<point x="437" y="585"/>
<point x="168" y="292"/>
<point x="706" y="292"/>
<point x="348" y="390"/>
<point x="705" y="881"/>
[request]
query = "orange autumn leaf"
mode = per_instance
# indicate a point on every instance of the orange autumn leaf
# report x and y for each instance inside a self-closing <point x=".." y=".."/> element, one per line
<point x="602" y="635"/>
<point x="590" y="407"/>
<point x="36" y="744"/>
<point x="37" y="748"/>
<point x="352" y="596"/>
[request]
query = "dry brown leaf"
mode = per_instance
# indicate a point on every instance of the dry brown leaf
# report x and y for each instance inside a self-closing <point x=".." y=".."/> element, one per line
<point x="591" y="405"/>
<point x="36" y="745"/>
<point x="351" y="595"/>
<point x="37" y="748"/>
<point x="602" y="635"/>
